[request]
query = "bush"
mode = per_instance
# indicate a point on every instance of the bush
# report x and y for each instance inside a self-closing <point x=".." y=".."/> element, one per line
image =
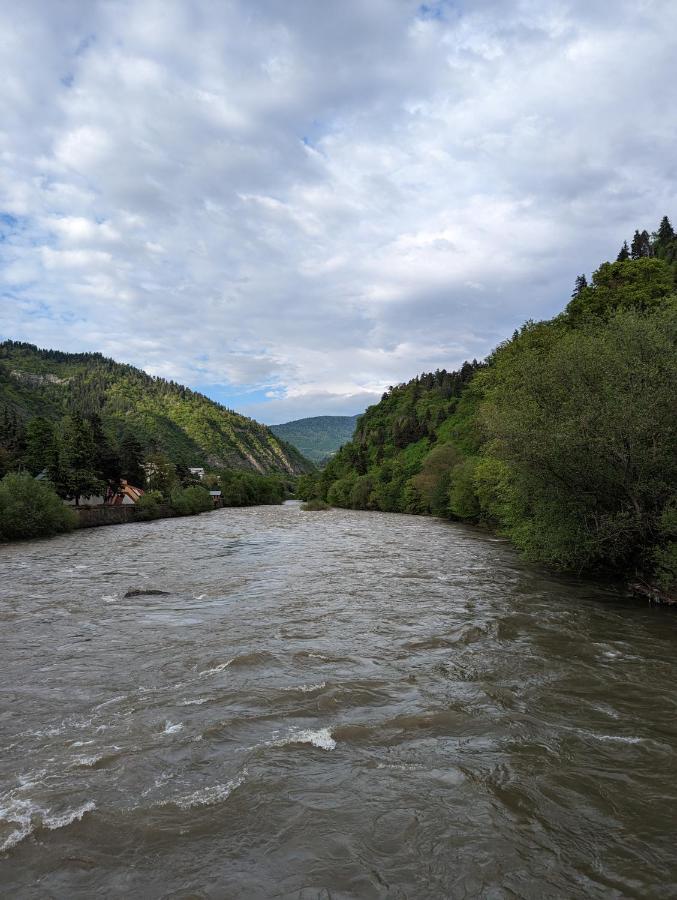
<point x="315" y="505"/>
<point x="250" y="489"/>
<point x="30" y="508"/>
<point x="148" y="505"/>
<point x="190" y="501"/>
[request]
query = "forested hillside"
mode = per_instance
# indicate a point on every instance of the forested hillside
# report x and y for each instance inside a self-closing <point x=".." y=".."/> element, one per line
<point x="161" y="416"/>
<point x="565" y="439"/>
<point x="319" y="437"/>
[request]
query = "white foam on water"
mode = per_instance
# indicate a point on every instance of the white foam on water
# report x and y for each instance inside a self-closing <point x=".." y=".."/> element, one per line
<point x="307" y="688"/>
<point x="28" y="816"/>
<point x="172" y="728"/>
<point x="216" y="669"/>
<point x="208" y="796"/>
<point x="321" y="738"/>
<point x="198" y="702"/>
<point x="67" y="818"/>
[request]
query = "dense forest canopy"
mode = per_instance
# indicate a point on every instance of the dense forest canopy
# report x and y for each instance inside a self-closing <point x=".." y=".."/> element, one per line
<point x="318" y="437"/>
<point x="162" y="416"/>
<point x="564" y="440"/>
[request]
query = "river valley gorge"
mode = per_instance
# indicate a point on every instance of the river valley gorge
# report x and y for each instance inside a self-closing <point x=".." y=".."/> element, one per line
<point x="328" y="705"/>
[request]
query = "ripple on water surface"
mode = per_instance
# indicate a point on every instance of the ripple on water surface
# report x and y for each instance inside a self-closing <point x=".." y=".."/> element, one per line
<point x="335" y="704"/>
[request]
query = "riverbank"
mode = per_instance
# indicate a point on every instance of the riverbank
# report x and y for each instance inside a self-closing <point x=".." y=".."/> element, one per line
<point x="96" y="516"/>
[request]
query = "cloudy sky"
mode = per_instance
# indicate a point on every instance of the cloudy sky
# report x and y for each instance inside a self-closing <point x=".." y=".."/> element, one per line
<point x="291" y="204"/>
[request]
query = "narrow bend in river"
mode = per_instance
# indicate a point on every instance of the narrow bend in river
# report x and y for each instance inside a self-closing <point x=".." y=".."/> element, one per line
<point x="336" y="704"/>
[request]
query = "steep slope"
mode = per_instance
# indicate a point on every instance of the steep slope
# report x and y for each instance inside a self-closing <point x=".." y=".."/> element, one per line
<point x="563" y="440"/>
<point x="189" y="427"/>
<point x="319" y="437"/>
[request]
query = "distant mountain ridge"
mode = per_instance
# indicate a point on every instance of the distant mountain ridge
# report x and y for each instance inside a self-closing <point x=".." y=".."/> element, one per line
<point x="318" y="437"/>
<point x="188" y="427"/>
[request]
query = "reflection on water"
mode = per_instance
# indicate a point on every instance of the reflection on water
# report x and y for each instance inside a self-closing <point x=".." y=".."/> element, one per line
<point x="337" y="704"/>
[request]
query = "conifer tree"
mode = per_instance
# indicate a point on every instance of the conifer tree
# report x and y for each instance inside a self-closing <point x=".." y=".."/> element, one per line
<point x="579" y="286"/>
<point x="665" y="234"/>
<point x="74" y="475"/>
<point x="624" y="253"/>
<point x="41" y="449"/>
<point x="132" y="458"/>
<point x="106" y="461"/>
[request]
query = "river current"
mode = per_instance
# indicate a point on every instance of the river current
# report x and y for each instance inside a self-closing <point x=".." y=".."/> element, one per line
<point x="328" y="705"/>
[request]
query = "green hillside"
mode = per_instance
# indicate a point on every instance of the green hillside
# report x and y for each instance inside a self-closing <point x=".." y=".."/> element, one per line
<point x="564" y="440"/>
<point x="319" y="437"/>
<point x="163" y="416"/>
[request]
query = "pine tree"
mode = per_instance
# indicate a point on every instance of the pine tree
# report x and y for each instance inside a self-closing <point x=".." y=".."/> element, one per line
<point x="41" y="449"/>
<point x="74" y="475"/>
<point x="665" y="234"/>
<point x="132" y="458"/>
<point x="580" y="285"/>
<point x="624" y="253"/>
<point x="106" y="460"/>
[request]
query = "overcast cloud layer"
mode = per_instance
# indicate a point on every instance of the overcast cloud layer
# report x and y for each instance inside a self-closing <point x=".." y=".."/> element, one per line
<point x="293" y="204"/>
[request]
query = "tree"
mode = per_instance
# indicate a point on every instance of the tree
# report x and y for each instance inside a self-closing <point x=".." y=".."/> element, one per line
<point x="30" y="508"/>
<point x="641" y="245"/>
<point x="665" y="234"/>
<point x="161" y="474"/>
<point x="624" y="253"/>
<point x="580" y="285"/>
<point x="131" y="460"/>
<point x="106" y="460"/>
<point x="635" y="283"/>
<point x="585" y="421"/>
<point x="41" y="449"/>
<point x="75" y="475"/>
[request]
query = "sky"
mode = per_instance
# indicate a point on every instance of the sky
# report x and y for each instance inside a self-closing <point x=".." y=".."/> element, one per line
<point x="292" y="204"/>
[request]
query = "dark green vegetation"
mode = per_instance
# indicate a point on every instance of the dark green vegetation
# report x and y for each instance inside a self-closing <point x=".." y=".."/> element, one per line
<point x="315" y="505"/>
<point x="85" y="424"/>
<point x="319" y="437"/>
<point x="565" y="439"/>
<point x="160" y="416"/>
<point x="30" y="508"/>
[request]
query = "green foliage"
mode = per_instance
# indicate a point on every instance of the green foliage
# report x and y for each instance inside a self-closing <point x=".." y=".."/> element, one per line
<point x="248" y="489"/>
<point x="564" y="441"/>
<point x="30" y="509"/>
<point x="315" y="506"/>
<point x="641" y="284"/>
<point x="585" y="421"/>
<point x="190" y="501"/>
<point x="132" y="458"/>
<point x="161" y="474"/>
<point x="665" y="554"/>
<point x="319" y="437"/>
<point x="41" y="446"/>
<point x="75" y="474"/>
<point x="148" y="506"/>
<point x="161" y="415"/>
<point x="464" y="502"/>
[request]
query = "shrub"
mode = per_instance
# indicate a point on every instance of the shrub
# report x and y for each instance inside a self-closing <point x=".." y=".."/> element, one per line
<point x="30" y="508"/>
<point x="148" y="505"/>
<point x="190" y="501"/>
<point x="315" y="505"/>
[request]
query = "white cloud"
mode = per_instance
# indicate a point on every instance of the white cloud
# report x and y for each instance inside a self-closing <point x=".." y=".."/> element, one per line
<point x="319" y="200"/>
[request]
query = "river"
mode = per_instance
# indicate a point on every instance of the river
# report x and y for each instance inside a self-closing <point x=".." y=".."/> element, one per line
<point x="328" y="705"/>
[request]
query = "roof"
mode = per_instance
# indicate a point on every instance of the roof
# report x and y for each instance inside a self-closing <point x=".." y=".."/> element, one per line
<point x="126" y="490"/>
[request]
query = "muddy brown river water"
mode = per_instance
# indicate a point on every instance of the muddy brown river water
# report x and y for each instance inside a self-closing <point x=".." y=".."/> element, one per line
<point x="328" y="705"/>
